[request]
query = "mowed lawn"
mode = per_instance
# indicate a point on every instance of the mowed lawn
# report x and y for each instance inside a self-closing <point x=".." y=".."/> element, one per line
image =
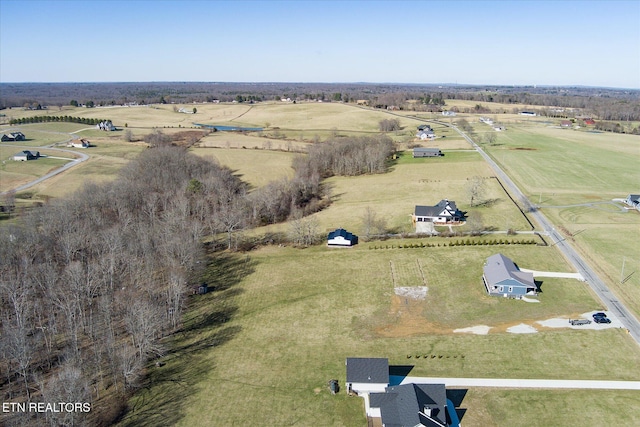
<point x="283" y="320"/>
<point x="574" y="175"/>
<point x="14" y="174"/>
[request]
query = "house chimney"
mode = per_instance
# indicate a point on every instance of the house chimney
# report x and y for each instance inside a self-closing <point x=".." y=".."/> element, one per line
<point x="427" y="411"/>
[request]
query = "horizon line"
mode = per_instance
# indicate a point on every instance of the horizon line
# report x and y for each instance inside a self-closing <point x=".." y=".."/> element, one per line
<point x="531" y="85"/>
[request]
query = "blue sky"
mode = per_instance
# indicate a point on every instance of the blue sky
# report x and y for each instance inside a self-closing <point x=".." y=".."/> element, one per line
<point x="592" y="43"/>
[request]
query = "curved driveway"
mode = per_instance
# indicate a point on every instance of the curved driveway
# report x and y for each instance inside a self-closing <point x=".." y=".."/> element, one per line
<point x="65" y="167"/>
<point x="612" y="303"/>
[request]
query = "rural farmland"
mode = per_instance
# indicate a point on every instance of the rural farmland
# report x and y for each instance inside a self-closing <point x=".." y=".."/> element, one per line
<point x="280" y="318"/>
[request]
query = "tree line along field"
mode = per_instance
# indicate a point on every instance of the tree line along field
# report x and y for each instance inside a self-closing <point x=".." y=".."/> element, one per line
<point x="292" y="316"/>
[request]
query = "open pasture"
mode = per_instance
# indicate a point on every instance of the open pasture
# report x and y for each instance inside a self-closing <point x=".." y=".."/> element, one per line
<point x="257" y="167"/>
<point x="14" y="174"/>
<point x="291" y="317"/>
<point x="574" y="175"/>
<point x="411" y="182"/>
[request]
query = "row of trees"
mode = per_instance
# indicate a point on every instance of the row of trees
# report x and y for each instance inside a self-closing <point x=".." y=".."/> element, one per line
<point x="47" y="119"/>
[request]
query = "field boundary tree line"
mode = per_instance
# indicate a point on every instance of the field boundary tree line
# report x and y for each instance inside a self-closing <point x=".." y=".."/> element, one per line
<point x="47" y="119"/>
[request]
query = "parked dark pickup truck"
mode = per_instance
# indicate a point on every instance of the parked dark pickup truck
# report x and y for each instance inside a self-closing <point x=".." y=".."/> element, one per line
<point x="578" y="322"/>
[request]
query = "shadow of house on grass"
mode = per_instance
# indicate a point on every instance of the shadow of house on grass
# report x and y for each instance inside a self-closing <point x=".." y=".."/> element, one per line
<point x="456" y="396"/>
<point x="168" y="387"/>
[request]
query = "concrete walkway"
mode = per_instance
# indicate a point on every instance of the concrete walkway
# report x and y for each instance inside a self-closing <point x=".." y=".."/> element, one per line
<point x="520" y="383"/>
<point x="554" y="274"/>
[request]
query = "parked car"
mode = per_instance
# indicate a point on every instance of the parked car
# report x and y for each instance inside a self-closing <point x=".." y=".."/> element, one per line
<point x="602" y="320"/>
<point x="600" y="314"/>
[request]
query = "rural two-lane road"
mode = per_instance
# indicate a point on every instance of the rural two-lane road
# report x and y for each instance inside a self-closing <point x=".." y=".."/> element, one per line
<point x="597" y="285"/>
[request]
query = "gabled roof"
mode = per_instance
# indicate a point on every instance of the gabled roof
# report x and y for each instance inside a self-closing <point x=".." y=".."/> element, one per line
<point x="426" y="150"/>
<point x="499" y="268"/>
<point x="437" y="209"/>
<point x="406" y="405"/>
<point x="340" y="232"/>
<point x="367" y="370"/>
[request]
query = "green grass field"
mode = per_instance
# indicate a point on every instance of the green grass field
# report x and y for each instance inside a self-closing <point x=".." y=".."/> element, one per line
<point x="574" y="175"/>
<point x="286" y="319"/>
<point x="283" y="320"/>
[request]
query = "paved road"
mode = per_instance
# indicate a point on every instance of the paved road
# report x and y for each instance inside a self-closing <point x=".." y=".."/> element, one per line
<point x="65" y="167"/>
<point x="521" y="383"/>
<point x="612" y="303"/>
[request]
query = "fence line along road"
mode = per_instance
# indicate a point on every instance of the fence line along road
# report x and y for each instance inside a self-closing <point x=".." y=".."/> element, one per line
<point x="610" y="301"/>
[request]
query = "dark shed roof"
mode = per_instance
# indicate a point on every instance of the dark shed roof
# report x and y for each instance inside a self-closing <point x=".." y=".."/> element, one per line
<point x="367" y="370"/>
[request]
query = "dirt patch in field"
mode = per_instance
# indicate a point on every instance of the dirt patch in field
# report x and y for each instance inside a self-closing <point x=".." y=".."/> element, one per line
<point x="524" y="148"/>
<point x="406" y="318"/>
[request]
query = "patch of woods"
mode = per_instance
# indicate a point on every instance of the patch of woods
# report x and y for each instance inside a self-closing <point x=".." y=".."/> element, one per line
<point x="91" y="284"/>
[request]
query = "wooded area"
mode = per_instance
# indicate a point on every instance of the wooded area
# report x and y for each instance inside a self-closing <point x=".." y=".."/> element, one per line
<point x="90" y="284"/>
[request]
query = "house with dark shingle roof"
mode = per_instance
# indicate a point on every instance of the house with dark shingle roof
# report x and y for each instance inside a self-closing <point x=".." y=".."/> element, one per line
<point x="25" y="155"/>
<point x="632" y="200"/>
<point x="503" y="278"/>
<point x="367" y="374"/>
<point x="410" y="405"/>
<point x="445" y="212"/>
<point x="13" y="136"/>
<point x="341" y="237"/>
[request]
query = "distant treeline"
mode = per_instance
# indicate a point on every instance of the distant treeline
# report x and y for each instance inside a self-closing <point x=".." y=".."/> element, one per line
<point x="43" y="119"/>
<point x="601" y="103"/>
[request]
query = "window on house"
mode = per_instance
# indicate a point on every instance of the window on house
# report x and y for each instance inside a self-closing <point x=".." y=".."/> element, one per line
<point x="510" y="288"/>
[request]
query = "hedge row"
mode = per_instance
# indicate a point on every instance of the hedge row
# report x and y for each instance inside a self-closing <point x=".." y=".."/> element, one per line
<point x="45" y="119"/>
<point x="467" y="242"/>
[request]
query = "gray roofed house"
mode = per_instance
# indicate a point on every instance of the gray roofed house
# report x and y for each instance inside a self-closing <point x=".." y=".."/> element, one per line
<point x="25" y="155"/>
<point x="426" y="152"/>
<point x="503" y="278"/>
<point x="445" y="212"/>
<point x="366" y="374"/>
<point x="411" y="405"/>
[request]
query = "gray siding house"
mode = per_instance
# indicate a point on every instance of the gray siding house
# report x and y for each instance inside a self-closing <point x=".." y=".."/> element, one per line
<point x="503" y="278"/>
<point x="427" y="152"/>
<point x="25" y="155"/>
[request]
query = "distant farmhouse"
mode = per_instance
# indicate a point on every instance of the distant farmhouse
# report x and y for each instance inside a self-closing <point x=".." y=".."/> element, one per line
<point x="13" y="136"/>
<point x="425" y="133"/>
<point x="445" y="212"/>
<point x="633" y="200"/>
<point x="341" y="237"/>
<point x="426" y="152"/>
<point x="25" y="155"/>
<point x="415" y="405"/>
<point x="448" y="113"/>
<point x="80" y="143"/>
<point x="503" y="278"/>
<point x="106" y="125"/>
